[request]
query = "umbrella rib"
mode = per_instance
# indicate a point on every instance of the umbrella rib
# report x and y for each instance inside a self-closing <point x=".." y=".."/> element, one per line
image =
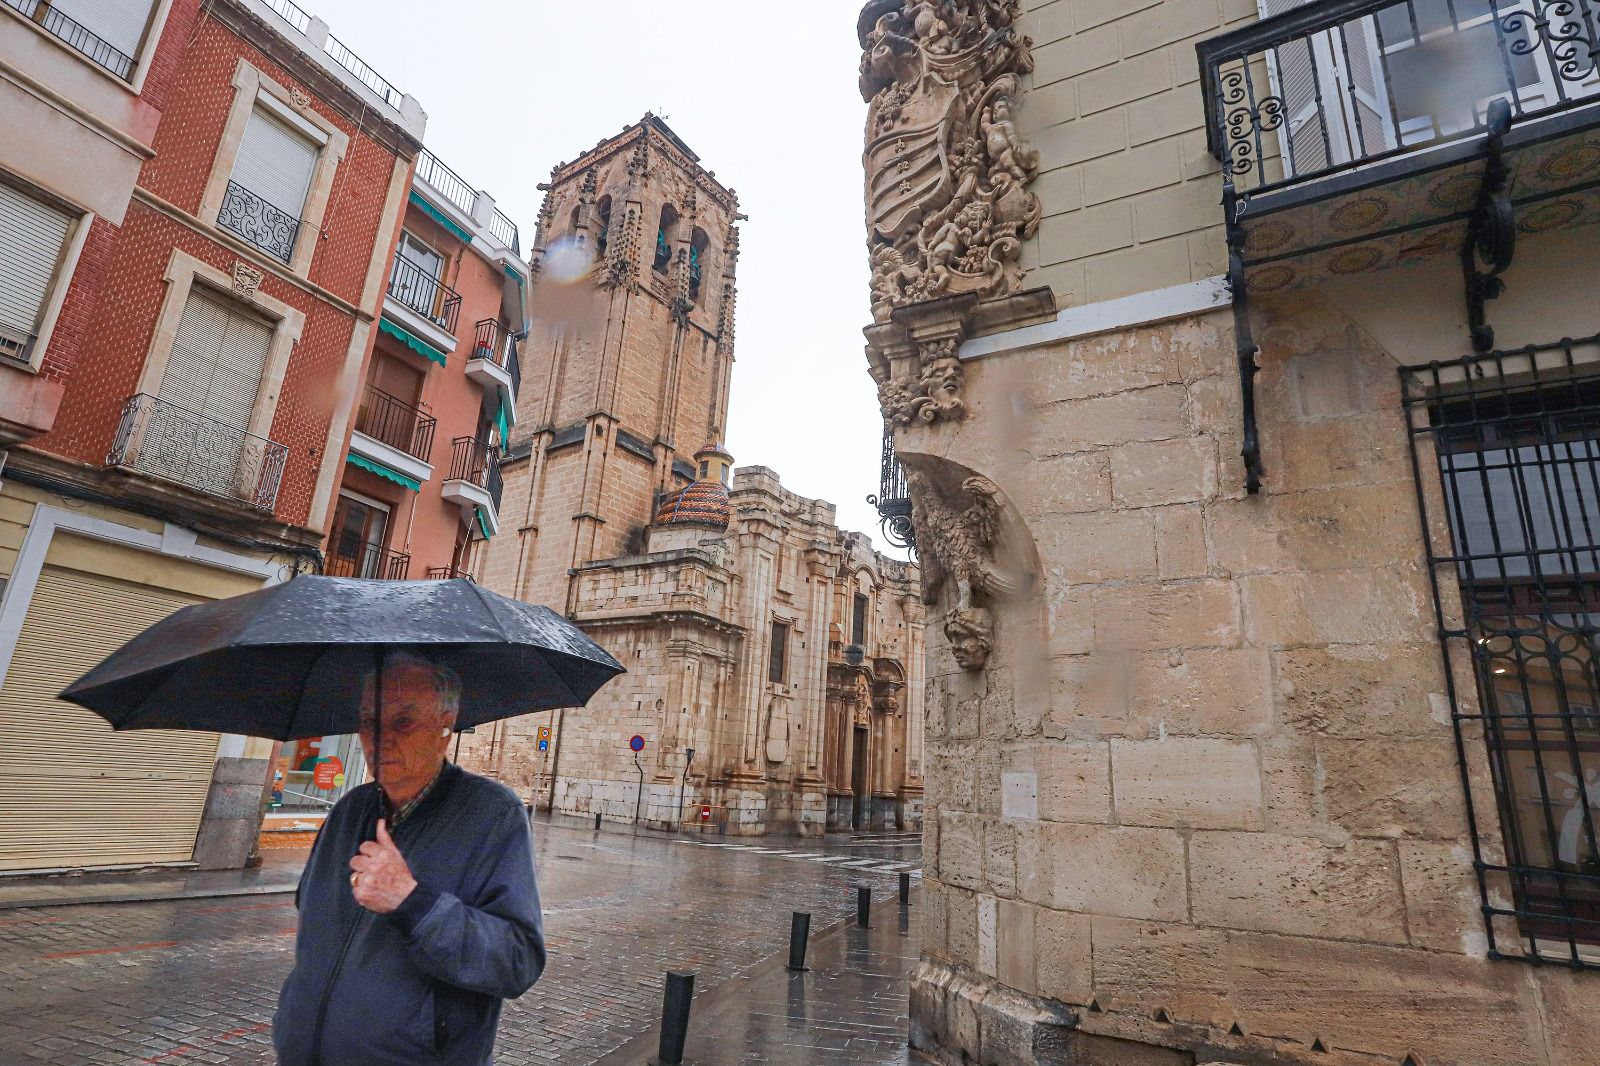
<point x="305" y="681"/>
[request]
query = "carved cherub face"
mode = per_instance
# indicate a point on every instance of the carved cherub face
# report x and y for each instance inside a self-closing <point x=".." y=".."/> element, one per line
<point x="970" y="632"/>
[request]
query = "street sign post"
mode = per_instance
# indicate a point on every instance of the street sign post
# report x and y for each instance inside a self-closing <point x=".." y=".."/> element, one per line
<point x="637" y="744"/>
<point x="544" y="738"/>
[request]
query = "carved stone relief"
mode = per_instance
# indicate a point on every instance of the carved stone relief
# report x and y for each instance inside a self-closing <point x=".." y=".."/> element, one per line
<point x="974" y="553"/>
<point x="947" y="203"/>
<point x="246" y="279"/>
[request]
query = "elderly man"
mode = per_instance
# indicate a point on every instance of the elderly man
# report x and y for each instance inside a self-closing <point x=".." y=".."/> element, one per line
<point x="409" y="943"/>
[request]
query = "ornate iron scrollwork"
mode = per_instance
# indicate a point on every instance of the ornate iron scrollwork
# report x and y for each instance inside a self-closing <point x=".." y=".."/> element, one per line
<point x="269" y="228"/>
<point x="1492" y="235"/>
<point x="893" y="500"/>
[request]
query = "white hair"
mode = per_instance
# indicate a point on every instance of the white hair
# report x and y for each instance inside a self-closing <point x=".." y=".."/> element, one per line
<point x="446" y="682"/>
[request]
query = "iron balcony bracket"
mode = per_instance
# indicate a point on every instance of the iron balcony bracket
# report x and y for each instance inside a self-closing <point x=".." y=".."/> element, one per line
<point x="1492" y="234"/>
<point x="1244" y="340"/>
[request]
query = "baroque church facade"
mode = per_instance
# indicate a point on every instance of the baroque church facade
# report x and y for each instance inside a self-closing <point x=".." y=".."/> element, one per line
<point x="775" y="661"/>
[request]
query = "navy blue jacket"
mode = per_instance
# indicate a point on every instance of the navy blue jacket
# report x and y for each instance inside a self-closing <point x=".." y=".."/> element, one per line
<point x="424" y="984"/>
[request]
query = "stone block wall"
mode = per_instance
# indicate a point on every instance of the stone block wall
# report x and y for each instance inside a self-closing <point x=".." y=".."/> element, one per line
<point x="1114" y="108"/>
<point x="1204" y="804"/>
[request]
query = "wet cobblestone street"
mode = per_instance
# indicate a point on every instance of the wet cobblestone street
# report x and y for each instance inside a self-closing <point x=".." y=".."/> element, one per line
<point x="197" y="980"/>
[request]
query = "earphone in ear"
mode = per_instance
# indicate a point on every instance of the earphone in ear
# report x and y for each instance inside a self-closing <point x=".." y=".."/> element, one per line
<point x="445" y="731"/>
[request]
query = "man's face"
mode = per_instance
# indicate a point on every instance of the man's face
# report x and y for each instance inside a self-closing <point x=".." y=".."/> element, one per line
<point x="415" y="729"/>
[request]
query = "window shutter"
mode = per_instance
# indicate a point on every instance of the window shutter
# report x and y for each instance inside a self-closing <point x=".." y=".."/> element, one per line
<point x="275" y="163"/>
<point x="120" y="23"/>
<point x="217" y="360"/>
<point x="32" y="236"/>
<point x="1304" y="67"/>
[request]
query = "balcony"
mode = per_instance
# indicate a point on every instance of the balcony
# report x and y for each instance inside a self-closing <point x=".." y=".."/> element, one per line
<point x="256" y="222"/>
<point x="166" y="441"/>
<point x="448" y="573"/>
<point x="893" y="501"/>
<point x="475" y="482"/>
<point x="1356" y="135"/>
<point x="394" y="434"/>
<point x="493" y="363"/>
<point x="349" y="557"/>
<point x="425" y="296"/>
<point x="75" y="35"/>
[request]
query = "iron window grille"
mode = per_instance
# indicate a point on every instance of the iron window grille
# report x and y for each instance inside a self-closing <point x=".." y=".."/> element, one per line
<point x="893" y="501"/>
<point x="396" y="423"/>
<point x="1514" y="551"/>
<point x="164" y="440"/>
<point x="1328" y="87"/>
<point x="75" y="35"/>
<point x="425" y="294"/>
<point x="352" y="557"/>
<point x="269" y="228"/>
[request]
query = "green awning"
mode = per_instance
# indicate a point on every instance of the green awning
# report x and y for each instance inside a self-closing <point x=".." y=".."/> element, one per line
<point x="483" y="524"/>
<point x="384" y="472"/>
<point x="514" y="276"/>
<point x="412" y="341"/>
<point x="439" y="216"/>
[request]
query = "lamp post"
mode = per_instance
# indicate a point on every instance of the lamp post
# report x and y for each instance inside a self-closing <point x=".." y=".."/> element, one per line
<point x="688" y="757"/>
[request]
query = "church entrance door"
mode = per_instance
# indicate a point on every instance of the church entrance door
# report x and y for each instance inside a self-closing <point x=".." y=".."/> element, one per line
<point x="858" y="779"/>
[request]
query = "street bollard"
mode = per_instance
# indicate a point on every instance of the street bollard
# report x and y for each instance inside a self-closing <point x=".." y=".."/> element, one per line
<point x="799" y="935"/>
<point x="674" y="1019"/>
<point x="905" y="889"/>
<point x="863" y="905"/>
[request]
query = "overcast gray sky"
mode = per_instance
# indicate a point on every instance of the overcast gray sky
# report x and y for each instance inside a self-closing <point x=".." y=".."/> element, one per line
<point x="764" y="92"/>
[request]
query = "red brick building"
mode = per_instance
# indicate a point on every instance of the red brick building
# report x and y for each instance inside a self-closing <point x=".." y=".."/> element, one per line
<point x="180" y="356"/>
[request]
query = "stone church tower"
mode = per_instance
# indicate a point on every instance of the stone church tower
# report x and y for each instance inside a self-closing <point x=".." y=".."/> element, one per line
<point x="626" y="368"/>
<point x="775" y="662"/>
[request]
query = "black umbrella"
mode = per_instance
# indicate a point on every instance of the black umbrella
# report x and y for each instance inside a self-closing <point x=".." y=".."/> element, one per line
<point x="290" y="661"/>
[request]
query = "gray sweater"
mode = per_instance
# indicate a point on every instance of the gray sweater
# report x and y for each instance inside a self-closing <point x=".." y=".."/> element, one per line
<point x="424" y="984"/>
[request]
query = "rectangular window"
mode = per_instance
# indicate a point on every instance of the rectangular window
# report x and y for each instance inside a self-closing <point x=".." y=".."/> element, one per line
<point x="777" y="662"/>
<point x="33" y="241"/>
<point x="269" y="184"/>
<point x="119" y="24"/>
<point x="199" y="433"/>
<point x="357" y="547"/>
<point x="858" y="622"/>
<point x="1518" y="453"/>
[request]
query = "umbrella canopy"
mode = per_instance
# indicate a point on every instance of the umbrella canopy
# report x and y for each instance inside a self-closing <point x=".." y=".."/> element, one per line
<point x="290" y="661"/>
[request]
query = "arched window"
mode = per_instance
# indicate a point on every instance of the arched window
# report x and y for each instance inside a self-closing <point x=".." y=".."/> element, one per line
<point x="664" y="235"/>
<point x="697" y="261"/>
<point x="577" y="220"/>
<point x="602" y="225"/>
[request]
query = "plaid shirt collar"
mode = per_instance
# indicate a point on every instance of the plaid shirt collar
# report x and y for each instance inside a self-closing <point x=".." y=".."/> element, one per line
<point x="407" y="808"/>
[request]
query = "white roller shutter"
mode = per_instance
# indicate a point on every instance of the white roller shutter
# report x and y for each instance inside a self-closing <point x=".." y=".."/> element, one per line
<point x="1342" y="67"/>
<point x="32" y="238"/>
<point x="217" y="359"/>
<point x="72" y="791"/>
<point x="275" y="163"/>
<point x="120" y="23"/>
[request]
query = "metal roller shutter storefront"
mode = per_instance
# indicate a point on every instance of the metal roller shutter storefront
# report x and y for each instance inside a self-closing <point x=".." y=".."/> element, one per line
<point x="72" y="791"/>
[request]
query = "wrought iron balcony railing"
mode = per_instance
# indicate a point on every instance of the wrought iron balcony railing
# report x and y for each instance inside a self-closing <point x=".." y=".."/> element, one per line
<point x="893" y="500"/>
<point x="474" y="462"/>
<point x="160" y="438"/>
<point x="505" y="231"/>
<point x="425" y="294"/>
<point x="454" y="187"/>
<point x="396" y="423"/>
<point x="1335" y="85"/>
<point x="492" y="342"/>
<point x="448" y="573"/>
<point x="349" y="556"/>
<point x="269" y="228"/>
<point x="75" y="35"/>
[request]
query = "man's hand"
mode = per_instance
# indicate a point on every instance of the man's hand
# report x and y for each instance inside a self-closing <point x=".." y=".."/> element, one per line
<point x="381" y="880"/>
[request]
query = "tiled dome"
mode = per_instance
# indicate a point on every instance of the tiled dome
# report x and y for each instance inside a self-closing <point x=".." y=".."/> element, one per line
<point x="703" y="503"/>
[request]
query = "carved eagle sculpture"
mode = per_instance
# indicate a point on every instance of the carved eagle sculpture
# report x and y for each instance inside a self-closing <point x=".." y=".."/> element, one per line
<point x="959" y="545"/>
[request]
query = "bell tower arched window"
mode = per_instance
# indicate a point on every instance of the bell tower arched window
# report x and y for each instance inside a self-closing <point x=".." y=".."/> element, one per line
<point x="697" y="261"/>
<point x="664" y="235"/>
<point x="602" y="224"/>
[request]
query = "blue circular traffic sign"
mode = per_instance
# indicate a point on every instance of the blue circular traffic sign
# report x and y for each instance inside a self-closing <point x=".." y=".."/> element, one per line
<point x="637" y="743"/>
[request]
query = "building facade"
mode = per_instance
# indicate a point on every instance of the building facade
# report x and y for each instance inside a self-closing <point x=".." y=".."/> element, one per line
<point x="419" y="494"/>
<point x="784" y="653"/>
<point x="195" y="237"/>
<point x="1241" y="373"/>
